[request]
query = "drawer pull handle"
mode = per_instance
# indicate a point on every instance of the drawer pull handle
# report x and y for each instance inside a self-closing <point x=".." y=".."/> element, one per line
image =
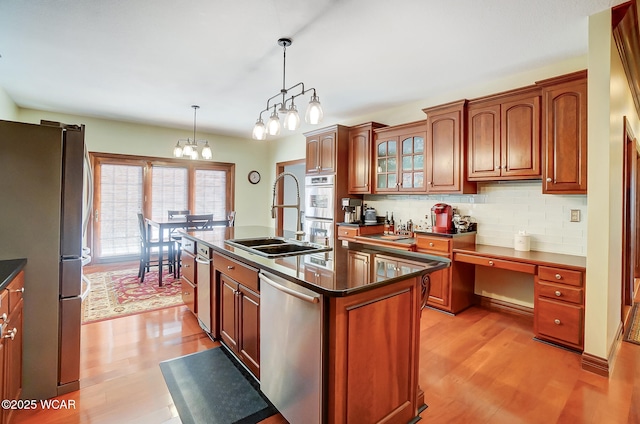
<point x="186" y="293"/>
<point x="431" y="244"/>
<point x="4" y="317"/>
<point x="11" y="334"/>
<point x="557" y="321"/>
<point x="186" y="265"/>
<point x="558" y="293"/>
<point x="558" y="277"/>
<point x="230" y="267"/>
<point x="491" y="263"/>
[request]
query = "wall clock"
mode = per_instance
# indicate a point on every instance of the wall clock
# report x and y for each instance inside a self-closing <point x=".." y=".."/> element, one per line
<point x="254" y="177"/>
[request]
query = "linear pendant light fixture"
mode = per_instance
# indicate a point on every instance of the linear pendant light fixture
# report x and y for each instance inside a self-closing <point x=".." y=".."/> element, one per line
<point x="287" y="106"/>
<point x="190" y="149"/>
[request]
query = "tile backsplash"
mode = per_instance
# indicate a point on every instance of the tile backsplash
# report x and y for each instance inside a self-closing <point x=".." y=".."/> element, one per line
<point x="502" y="209"/>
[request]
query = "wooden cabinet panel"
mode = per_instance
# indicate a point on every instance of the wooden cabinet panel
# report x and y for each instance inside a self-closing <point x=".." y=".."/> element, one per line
<point x="321" y="153"/>
<point x="561" y="322"/>
<point x="496" y="263"/>
<point x="504" y="136"/>
<point x="189" y="294"/>
<point x="561" y="292"/>
<point x="564" y="129"/>
<point x="439" y="289"/>
<point x="249" y="337"/>
<point x="435" y="245"/>
<point x="238" y="271"/>
<point x="560" y="275"/>
<point x="11" y="304"/>
<point x="188" y="266"/>
<point x="446" y="170"/>
<point x="347" y="232"/>
<point x="227" y="321"/>
<point x="360" y="158"/>
<point x="359" y="268"/>
<point x="484" y="159"/>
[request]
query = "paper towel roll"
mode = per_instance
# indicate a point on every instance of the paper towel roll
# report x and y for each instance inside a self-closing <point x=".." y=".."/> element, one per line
<point x="522" y="242"/>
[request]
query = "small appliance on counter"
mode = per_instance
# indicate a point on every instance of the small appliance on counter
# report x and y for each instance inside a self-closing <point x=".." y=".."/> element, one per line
<point x="442" y="218"/>
<point x="370" y="216"/>
<point x="352" y="210"/>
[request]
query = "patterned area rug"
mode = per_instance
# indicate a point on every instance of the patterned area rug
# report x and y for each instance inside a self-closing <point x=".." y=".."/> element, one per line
<point x="632" y="334"/>
<point x="118" y="293"/>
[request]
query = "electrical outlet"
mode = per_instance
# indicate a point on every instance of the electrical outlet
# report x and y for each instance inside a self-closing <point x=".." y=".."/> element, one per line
<point x="575" y="215"/>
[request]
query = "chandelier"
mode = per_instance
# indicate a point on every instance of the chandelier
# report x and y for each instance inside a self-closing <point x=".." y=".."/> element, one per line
<point x="286" y="106"/>
<point x="190" y="148"/>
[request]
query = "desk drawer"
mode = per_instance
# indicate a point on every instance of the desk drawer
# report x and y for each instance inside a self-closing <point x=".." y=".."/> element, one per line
<point x="495" y="263"/>
<point x="560" y="321"/>
<point x="348" y="232"/>
<point x="561" y="292"/>
<point x="241" y="273"/>
<point x="560" y="275"/>
<point x="433" y="244"/>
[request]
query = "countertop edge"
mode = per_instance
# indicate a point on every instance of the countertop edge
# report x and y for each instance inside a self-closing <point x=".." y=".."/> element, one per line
<point x="9" y="268"/>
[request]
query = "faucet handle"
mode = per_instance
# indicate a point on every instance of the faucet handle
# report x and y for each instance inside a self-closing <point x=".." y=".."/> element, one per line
<point x="299" y="235"/>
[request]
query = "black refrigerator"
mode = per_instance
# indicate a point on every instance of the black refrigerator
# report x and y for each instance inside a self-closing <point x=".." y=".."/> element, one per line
<point x="42" y="172"/>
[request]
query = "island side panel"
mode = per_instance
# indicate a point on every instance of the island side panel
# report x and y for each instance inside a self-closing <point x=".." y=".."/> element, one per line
<point x="373" y="358"/>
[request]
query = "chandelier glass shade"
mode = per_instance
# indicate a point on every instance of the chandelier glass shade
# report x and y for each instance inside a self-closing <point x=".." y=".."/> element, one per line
<point x="283" y="103"/>
<point x="189" y="148"/>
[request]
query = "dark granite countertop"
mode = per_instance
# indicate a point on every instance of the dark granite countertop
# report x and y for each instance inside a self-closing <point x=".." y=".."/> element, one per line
<point x="331" y="273"/>
<point x="9" y="269"/>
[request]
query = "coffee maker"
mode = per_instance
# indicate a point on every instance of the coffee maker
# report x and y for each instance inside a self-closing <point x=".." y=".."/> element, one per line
<point x="352" y="210"/>
<point x="442" y="218"/>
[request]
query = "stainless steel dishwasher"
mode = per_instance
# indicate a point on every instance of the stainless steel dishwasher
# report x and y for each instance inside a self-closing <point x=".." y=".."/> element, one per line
<point x="291" y="337"/>
<point x="203" y="299"/>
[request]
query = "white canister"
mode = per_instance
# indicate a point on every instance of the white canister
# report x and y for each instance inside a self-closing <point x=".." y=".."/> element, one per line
<point x="522" y="242"/>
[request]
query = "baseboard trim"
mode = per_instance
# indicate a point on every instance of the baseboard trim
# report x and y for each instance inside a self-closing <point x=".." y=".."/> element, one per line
<point x="503" y="306"/>
<point x="603" y="366"/>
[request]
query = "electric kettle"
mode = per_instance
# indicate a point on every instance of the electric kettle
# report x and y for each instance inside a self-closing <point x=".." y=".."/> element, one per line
<point x="370" y="216"/>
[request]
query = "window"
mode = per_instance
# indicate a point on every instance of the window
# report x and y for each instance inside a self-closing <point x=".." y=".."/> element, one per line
<point x="126" y="185"/>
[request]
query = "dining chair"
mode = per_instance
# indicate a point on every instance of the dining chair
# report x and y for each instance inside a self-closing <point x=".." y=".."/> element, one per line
<point x="178" y="213"/>
<point x="231" y="219"/>
<point x="200" y="222"/>
<point x="146" y="247"/>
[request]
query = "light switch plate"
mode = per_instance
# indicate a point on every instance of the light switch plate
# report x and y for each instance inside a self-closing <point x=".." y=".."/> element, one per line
<point x="575" y="215"/>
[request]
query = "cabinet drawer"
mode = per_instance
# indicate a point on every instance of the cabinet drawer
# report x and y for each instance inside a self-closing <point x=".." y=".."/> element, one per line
<point x="433" y="244"/>
<point x="347" y="232"/>
<point x="4" y="306"/>
<point x="189" y="295"/>
<point x="495" y="263"/>
<point x="560" y="275"/>
<point x="188" y="245"/>
<point x="15" y="289"/>
<point x="561" y="292"/>
<point x="204" y="250"/>
<point x="561" y="321"/>
<point x="238" y="271"/>
<point x="189" y="266"/>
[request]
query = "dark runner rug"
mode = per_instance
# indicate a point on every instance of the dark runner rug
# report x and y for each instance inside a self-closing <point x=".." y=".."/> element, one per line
<point x="632" y="334"/>
<point x="211" y="387"/>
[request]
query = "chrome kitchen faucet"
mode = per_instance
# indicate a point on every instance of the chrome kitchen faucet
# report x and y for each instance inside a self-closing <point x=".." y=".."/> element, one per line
<point x="299" y="232"/>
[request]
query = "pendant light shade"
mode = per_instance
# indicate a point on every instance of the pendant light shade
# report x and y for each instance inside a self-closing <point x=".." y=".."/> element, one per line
<point x="279" y="104"/>
<point x="190" y="149"/>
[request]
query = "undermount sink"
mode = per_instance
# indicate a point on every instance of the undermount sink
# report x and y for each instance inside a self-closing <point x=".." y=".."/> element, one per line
<point x="273" y="247"/>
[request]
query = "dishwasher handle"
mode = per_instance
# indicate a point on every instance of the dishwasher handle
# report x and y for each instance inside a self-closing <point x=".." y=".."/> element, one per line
<point x="201" y="260"/>
<point x="292" y="292"/>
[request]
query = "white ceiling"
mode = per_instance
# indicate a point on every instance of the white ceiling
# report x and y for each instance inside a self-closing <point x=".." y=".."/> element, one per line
<point x="148" y="61"/>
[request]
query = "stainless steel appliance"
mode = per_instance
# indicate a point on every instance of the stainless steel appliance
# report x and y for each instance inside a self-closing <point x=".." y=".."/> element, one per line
<point x="203" y="271"/>
<point x="291" y="343"/>
<point x="352" y="210"/>
<point x="41" y="219"/>
<point x="319" y="197"/>
<point x="319" y="230"/>
<point x="370" y="216"/>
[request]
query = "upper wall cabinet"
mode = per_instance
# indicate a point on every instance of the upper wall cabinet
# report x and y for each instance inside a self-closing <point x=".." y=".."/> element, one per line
<point x="504" y="136"/>
<point x="564" y="133"/>
<point x="321" y="152"/>
<point x="399" y="153"/>
<point x="446" y="170"/>
<point x="361" y="158"/>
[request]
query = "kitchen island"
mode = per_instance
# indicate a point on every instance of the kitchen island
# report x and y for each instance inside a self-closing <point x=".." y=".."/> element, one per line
<point x="333" y="336"/>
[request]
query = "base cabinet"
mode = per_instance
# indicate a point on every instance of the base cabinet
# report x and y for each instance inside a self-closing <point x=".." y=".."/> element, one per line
<point x="239" y="310"/>
<point x="11" y="304"/>
<point x="188" y="278"/>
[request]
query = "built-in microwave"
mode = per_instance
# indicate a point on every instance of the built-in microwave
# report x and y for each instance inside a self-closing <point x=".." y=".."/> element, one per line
<point x="319" y="197"/>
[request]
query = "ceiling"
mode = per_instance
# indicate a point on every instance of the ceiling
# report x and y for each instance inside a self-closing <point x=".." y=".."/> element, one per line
<point x="148" y="61"/>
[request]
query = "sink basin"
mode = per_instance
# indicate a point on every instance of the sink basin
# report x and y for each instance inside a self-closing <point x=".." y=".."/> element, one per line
<point x="273" y="247"/>
<point x="261" y="241"/>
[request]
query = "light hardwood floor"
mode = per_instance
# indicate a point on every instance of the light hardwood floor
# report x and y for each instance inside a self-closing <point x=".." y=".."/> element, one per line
<point x="480" y="366"/>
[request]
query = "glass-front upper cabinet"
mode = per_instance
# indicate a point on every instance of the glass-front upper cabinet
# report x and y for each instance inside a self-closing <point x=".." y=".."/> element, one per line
<point x="400" y="160"/>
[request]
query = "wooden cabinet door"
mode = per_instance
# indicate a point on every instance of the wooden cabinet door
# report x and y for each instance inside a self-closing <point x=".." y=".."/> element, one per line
<point x="520" y="137"/>
<point x="359" y="268"/>
<point x="439" y="290"/>
<point x="411" y="161"/>
<point x="228" y="290"/>
<point x="386" y="175"/>
<point x="13" y="354"/>
<point x="564" y="123"/>
<point x="313" y="155"/>
<point x="188" y="294"/>
<point x="249" y="329"/>
<point x="359" y="161"/>
<point x="483" y="153"/>
<point x="327" y="153"/>
<point x="446" y="170"/>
